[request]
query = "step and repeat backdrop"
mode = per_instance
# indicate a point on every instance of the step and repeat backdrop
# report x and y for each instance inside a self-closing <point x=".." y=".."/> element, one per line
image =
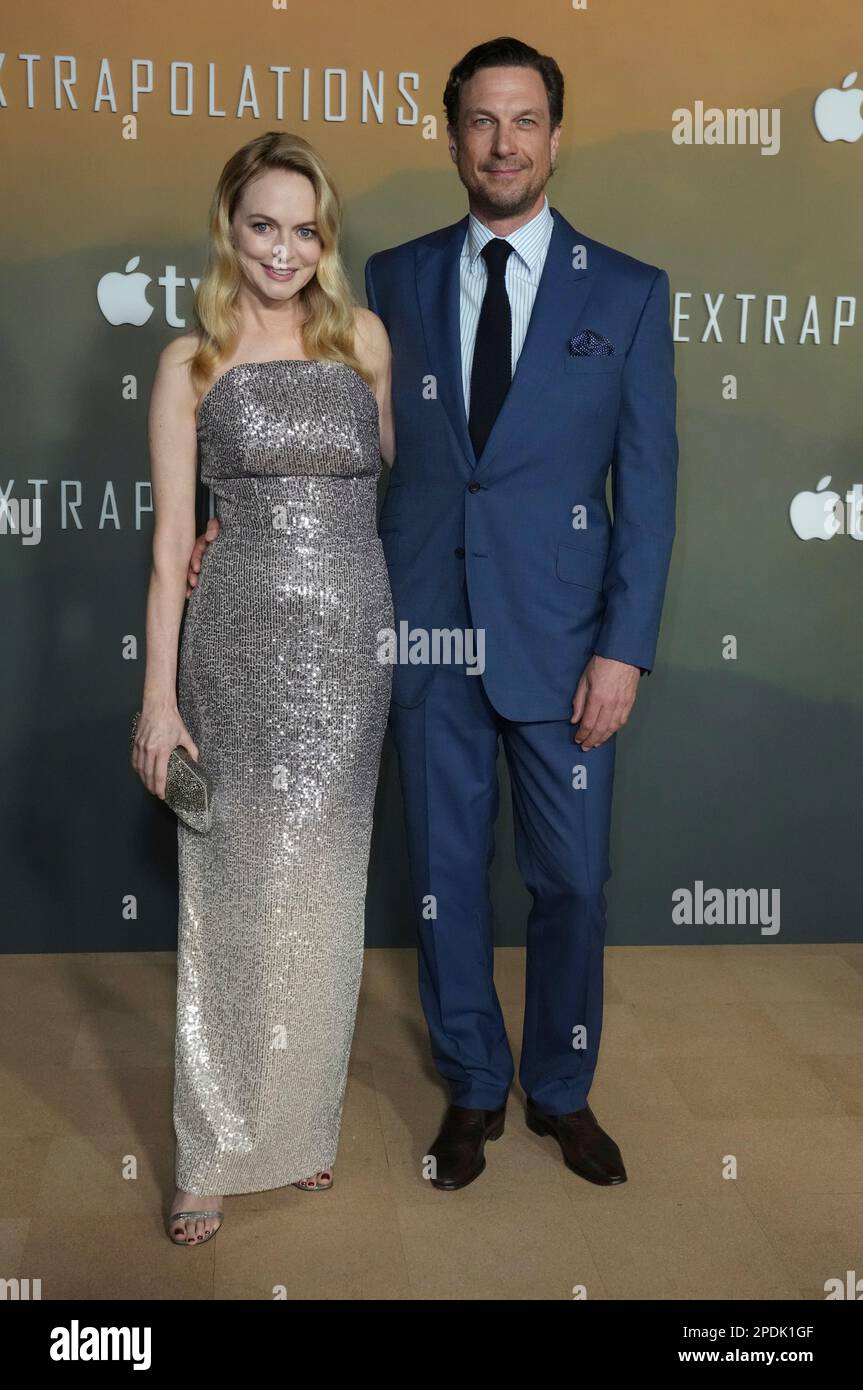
<point x="723" y="143"/>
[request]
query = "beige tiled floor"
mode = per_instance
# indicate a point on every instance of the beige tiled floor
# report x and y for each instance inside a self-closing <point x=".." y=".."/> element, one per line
<point x="711" y="1057"/>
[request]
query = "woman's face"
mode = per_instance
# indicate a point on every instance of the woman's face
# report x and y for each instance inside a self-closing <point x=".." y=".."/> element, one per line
<point x="275" y="233"/>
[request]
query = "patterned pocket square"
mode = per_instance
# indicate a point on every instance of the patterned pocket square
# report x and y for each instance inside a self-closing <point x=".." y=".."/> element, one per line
<point x="590" y="344"/>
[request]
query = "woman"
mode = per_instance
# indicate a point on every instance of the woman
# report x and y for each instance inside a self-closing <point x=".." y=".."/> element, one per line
<point x="284" y="390"/>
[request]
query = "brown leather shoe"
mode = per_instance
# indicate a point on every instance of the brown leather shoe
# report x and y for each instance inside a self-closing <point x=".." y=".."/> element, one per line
<point x="586" y="1149"/>
<point x="459" y="1147"/>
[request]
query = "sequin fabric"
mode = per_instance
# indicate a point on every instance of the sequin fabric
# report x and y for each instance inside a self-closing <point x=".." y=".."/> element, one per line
<point x="280" y="686"/>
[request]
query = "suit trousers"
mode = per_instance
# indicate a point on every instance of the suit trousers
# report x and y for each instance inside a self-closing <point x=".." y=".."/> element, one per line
<point x="447" y="748"/>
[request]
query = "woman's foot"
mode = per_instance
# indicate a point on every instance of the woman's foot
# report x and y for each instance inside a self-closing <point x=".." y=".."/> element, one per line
<point x="319" y="1183"/>
<point x="191" y="1228"/>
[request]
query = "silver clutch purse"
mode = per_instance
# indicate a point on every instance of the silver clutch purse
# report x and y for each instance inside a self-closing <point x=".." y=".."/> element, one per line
<point x="188" y="787"/>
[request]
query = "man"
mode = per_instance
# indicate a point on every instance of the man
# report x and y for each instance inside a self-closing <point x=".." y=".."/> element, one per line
<point x="527" y="360"/>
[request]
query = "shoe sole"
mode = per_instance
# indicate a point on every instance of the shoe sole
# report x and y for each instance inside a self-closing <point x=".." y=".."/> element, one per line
<point x="457" y="1186"/>
<point x="542" y="1129"/>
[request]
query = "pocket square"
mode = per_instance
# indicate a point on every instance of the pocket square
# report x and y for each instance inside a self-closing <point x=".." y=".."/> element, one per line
<point x="587" y="343"/>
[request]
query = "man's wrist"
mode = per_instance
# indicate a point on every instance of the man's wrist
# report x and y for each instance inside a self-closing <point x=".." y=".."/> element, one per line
<point x="644" y="670"/>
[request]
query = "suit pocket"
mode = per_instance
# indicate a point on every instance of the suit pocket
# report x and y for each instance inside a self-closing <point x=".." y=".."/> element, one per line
<point x="575" y="565"/>
<point x="592" y="366"/>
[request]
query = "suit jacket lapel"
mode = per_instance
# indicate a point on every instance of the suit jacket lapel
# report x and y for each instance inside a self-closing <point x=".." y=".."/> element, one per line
<point x="438" y="288"/>
<point x="561" y="298"/>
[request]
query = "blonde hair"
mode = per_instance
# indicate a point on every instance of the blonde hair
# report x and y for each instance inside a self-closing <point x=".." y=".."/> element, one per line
<point x="328" y="331"/>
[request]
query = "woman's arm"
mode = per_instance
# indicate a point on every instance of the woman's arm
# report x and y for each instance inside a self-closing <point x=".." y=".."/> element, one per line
<point x="173" y="471"/>
<point x="374" y="349"/>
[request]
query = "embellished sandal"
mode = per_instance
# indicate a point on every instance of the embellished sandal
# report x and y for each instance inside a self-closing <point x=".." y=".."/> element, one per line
<point x="312" y="1184"/>
<point x="194" y="1216"/>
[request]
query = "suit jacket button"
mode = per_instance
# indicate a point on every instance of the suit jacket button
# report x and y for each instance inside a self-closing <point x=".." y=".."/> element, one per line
<point x="473" y="487"/>
<point x="459" y="552"/>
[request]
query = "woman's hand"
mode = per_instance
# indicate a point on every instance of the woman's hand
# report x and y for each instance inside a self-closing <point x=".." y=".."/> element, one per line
<point x="158" y="734"/>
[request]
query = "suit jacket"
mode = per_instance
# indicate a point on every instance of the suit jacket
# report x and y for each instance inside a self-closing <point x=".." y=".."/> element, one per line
<point x="503" y="531"/>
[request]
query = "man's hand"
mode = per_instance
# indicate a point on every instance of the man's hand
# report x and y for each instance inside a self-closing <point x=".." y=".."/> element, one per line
<point x="197" y="556"/>
<point x="603" y="699"/>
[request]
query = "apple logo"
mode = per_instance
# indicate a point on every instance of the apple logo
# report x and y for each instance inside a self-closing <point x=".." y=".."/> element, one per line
<point x="837" y="112"/>
<point x="123" y="297"/>
<point x="813" y="514"/>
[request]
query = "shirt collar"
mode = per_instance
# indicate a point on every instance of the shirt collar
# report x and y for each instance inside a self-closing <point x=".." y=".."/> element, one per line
<point x="529" y="241"/>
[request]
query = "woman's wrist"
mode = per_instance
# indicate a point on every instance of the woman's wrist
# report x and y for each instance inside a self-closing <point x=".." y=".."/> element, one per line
<point x="156" y="702"/>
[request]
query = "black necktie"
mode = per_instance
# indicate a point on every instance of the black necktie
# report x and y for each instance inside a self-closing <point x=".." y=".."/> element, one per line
<point x="491" y="371"/>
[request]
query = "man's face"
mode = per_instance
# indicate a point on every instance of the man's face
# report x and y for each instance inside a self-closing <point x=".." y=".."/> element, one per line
<point x="504" y="146"/>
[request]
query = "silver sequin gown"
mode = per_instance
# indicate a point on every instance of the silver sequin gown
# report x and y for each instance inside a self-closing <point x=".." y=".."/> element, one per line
<point x="280" y="686"/>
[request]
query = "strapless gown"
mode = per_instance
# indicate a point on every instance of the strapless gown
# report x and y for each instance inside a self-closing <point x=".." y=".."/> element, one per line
<point x="280" y="685"/>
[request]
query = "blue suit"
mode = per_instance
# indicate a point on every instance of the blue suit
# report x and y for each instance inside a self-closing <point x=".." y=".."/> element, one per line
<point x="519" y="543"/>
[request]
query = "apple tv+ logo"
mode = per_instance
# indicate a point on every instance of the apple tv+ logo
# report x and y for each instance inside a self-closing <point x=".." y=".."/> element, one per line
<point x="837" y="111"/>
<point x="122" y="294"/>
<point x="820" y="515"/>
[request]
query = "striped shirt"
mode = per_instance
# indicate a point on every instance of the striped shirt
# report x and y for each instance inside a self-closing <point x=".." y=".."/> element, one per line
<point x="523" y="269"/>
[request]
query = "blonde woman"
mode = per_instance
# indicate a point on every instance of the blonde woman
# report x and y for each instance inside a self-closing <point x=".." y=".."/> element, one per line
<point x="283" y="393"/>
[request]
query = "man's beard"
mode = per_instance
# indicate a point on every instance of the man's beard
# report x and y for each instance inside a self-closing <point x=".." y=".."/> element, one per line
<point x="504" y="201"/>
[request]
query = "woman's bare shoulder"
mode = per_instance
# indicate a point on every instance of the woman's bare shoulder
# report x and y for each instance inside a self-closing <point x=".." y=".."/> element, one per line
<point x="372" y="340"/>
<point x="173" y="372"/>
<point x="180" y="350"/>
